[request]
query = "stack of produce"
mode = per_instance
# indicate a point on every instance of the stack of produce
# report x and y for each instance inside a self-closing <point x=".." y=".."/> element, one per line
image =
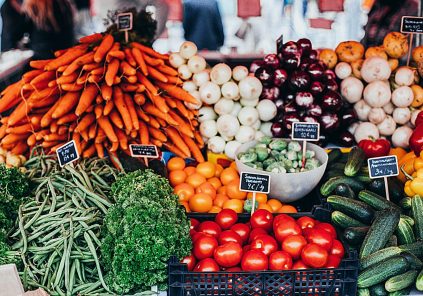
<point x="228" y="101"/>
<point x="104" y="95"/>
<point x="304" y="89"/>
<point x="11" y="160"/>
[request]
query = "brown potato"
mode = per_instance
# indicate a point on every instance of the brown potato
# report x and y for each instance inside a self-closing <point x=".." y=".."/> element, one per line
<point x="328" y="57"/>
<point x="395" y="44"/>
<point x="376" y="51"/>
<point x="349" y="51"/>
<point x="356" y="68"/>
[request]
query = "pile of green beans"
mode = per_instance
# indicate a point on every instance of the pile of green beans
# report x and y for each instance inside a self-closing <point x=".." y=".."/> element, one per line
<point x="58" y="232"/>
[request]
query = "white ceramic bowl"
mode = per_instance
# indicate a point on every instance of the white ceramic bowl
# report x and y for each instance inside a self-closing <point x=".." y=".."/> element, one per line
<point x="289" y="187"/>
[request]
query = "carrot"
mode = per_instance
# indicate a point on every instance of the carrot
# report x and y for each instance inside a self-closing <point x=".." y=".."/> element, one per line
<point x="77" y="138"/>
<point x="153" y="73"/>
<point x="60" y="52"/>
<point x="35" y="120"/>
<point x="66" y="58"/>
<point x="81" y="61"/>
<point x="101" y="136"/>
<point x="115" y="146"/>
<point x="40" y="135"/>
<point x="117" y="80"/>
<point x="162" y="122"/>
<point x="46" y="76"/>
<point x="153" y="122"/>
<point x="86" y="99"/>
<point x="62" y="69"/>
<point x="85" y="122"/>
<point x="18" y="114"/>
<point x="13" y="103"/>
<point x="37" y="86"/>
<point x="106" y="91"/>
<point x="196" y="152"/>
<point x="50" y="91"/>
<point x="167" y="70"/>
<point x="67" y="79"/>
<point x="91" y="38"/>
<point x="107" y="128"/>
<point x="126" y="87"/>
<point x="144" y="135"/>
<point x="183" y="127"/>
<point x="104" y="47"/>
<point x="136" y="53"/>
<point x="152" y="62"/>
<point x="159" y="102"/>
<point x="55" y="137"/>
<point x="139" y="99"/>
<point x="98" y="110"/>
<point x="123" y="139"/>
<point x="84" y="145"/>
<point x="62" y="130"/>
<point x="174" y="80"/>
<point x="4" y="120"/>
<point x="71" y="117"/>
<point x="20" y="148"/>
<point x="9" y="96"/>
<point x="129" y="57"/>
<point x="156" y="143"/>
<point x="108" y="107"/>
<point x="175" y="150"/>
<point x="94" y="78"/>
<point x="47" y="144"/>
<point x="122" y="108"/>
<point x="181" y="108"/>
<point x="71" y="87"/>
<point x="134" y="134"/>
<point x="28" y="76"/>
<point x="83" y="78"/>
<point x="173" y="134"/>
<point x="132" y="79"/>
<point x="3" y="129"/>
<point x="84" y="135"/>
<point x="98" y="71"/>
<point x="13" y="138"/>
<point x="150" y="109"/>
<point x="177" y="92"/>
<point x="111" y="72"/>
<point x="100" y="150"/>
<point x="91" y="66"/>
<point x="65" y="104"/>
<point x="99" y="99"/>
<point x="22" y="129"/>
<point x="39" y="64"/>
<point x="144" y="117"/>
<point x="118" y="54"/>
<point x="52" y="83"/>
<point x="127" y="69"/>
<point x="171" y="102"/>
<point x="132" y="112"/>
<point x="149" y="51"/>
<point x="92" y="131"/>
<point x="199" y="139"/>
<point x="116" y="119"/>
<point x="54" y="127"/>
<point x="90" y="109"/>
<point x="72" y="127"/>
<point x="31" y="141"/>
<point x="157" y="134"/>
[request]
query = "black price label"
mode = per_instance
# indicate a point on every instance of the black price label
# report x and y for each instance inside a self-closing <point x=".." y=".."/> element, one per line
<point x="124" y="21"/>
<point x="385" y="166"/>
<point x="67" y="153"/>
<point x="148" y="151"/>
<point x="412" y="24"/>
<point x="255" y="183"/>
<point x="305" y="131"/>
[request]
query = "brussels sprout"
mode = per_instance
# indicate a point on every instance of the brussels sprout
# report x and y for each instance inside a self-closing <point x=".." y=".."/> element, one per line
<point x="310" y="154"/>
<point x="292" y="155"/>
<point x="254" y="165"/>
<point x="251" y="150"/>
<point x="248" y="205"/>
<point x="275" y="154"/>
<point x="276" y="167"/>
<point x="300" y="156"/>
<point x="248" y="157"/>
<point x="287" y="164"/>
<point x="262" y="153"/>
<point x="265" y="140"/>
<point x="292" y="170"/>
<point x="312" y="164"/>
<point x="295" y="164"/>
<point x="294" y="146"/>
<point x="260" y="145"/>
<point x="258" y="165"/>
<point x="268" y="162"/>
<point x="278" y="144"/>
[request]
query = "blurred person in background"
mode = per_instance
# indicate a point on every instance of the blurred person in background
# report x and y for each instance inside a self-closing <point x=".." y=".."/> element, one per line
<point x="203" y="24"/>
<point x="49" y="23"/>
<point x="83" y="20"/>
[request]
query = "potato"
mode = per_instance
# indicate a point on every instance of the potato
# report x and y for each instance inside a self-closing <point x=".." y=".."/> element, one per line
<point x="393" y="63"/>
<point x="356" y="68"/>
<point x="417" y="54"/>
<point x="328" y="57"/>
<point x="376" y="51"/>
<point x="395" y="44"/>
<point x="418" y="96"/>
<point x="349" y="51"/>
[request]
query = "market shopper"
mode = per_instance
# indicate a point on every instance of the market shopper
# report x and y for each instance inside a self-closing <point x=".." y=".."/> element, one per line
<point x="49" y="23"/>
<point x="203" y="24"/>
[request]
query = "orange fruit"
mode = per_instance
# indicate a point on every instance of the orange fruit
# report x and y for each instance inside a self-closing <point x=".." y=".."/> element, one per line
<point x="186" y="206"/>
<point x="219" y="170"/>
<point x="222" y="190"/>
<point x="195" y="180"/>
<point x="274" y="204"/>
<point x="287" y="209"/>
<point x="234" y="204"/>
<point x="264" y="206"/>
<point x="260" y="197"/>
<point x="176" y="163"/>
<point x="177" y="177"/>
<point x="233" y="165"/>
<point x="190" y="170"/>
<point x="201" y="203"/>
<point x="228" y="175"/>
<point x="184" y="191"/>
<point x="232" y="190"/>
<point x="207" y="188"/>
<point x="215" y="210"/>
<point x="207" y="169"/>
<point x="215" y="182"/>
<point x="220" y="200"/>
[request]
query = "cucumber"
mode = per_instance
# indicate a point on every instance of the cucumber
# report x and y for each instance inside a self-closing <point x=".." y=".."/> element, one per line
<point x="363" y="292"/>
<point x="404" y="233"/>
<point x="375" y="200"/>
<point x="353" y="208"/>
<point x="380" y="231"/>
<point x="356" y="158"/>
<point x="405" y="203"/>
<point x="382" y="271"/>
<point x="419" y="281"/>
<point x="364" y="170"/>
<point x="378" y="290"/>
<point x="365" y="178"/>
<point x="401" y="281"/>
<point x="392" y="242"/>
<point x="355" y="235"/>
<point x="334" y="155"/>
<point x="343" y="221"/>
<point x="379" y="256"/>
<point x="408" y="219"/>
<point x="345" y="191"/>
<point x="417" y="213"/>
<point x="413" y="261"/>
<point x="329" y="186"/>
<point x="403" y="292"/>
<point x="415" y="248"/>
<point x="396" y="191"/>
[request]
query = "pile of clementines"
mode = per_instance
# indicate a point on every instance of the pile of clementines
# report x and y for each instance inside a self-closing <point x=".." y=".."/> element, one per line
<point x="209" y="188"/>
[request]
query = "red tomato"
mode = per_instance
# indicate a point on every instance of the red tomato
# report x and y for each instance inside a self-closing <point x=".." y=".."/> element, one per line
<point x="206" y="265"/>
<point x="204" y="247"/>
<point x="197" y="235"/>
<point x="265" y="243"/>
<point x="333" y="261"/>
<point x="228" y="254"/>
<point x="229" y="236"/>
<point x="254" y="260"/>
<point x="233" y="269"/>
<point x="243" y="231"/>
<point x="226" y="218"/>
<point x="189" y="261"/>
<point x="262" y="219"/>
<point x="280" y="260"/>
<point x="254" y="233"/>
<point x="314" y="255"/>
<point x="299" y="265"/>
<point x="306" y="222"/>
<point x="194" y="223"/>
<point x="320" y="237"/>
<point x="337" y="249"/>
<point x="293" y="245"/>
<point x="328" y="227"/>
<point x="210" y="228"/>
<point x="286" y="228"/>
<point x="246" y="248"/>
<point x="282" y="218"/>
<point x="192" y="232"/>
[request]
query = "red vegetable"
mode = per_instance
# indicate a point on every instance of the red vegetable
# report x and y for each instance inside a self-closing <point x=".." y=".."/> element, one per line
<point x="375" y="148"/>
<point x="207" y="265"/>
<point x="285" y="229"/>
<point x="333" y="261"/>
<point x="280" y="260"/>
<point x="314" y="255"/>
<point x="337" y="249"/>
<point x="254" y="260"/>
<point x="416" y="139"/>
<point x="293" y="245"/>
<point x="226" y="218"/>
<point x="204" y="247"/>
<point x="243" y="230"/>
<point x="262" y="219"/>
<point x="228" y="254"/>
<point x="265" y="243"/>
<point x="189" y="261"/>
<point x="210" y="228"/>
<point x="229" y="236"/>
<point x="306" y="222"/>
<point x="320" y="237"/>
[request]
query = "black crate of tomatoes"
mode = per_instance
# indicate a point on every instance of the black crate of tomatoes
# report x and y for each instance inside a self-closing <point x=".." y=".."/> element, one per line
<point x="266" y="254"/>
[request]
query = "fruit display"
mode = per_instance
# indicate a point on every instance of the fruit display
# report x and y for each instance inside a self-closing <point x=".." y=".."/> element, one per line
<point x="304" y="89"/>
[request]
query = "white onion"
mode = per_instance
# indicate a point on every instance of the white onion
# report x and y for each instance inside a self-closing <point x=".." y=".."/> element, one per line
<point x="201" y="77"/>
<point x="403" y="96"/>
<point x="414" y="115"/>
<point x="249" y="103"/>
<point x="248" y="115"/>
<point x="402" y="115"/>
<point x="375" y="69"/>
<point x="197" y="106"/>
<point x="227" y="125"/>
<point x="387" y="126"/>
<point x="343" y="70"/>
<point x="189" y="86"/>
<point x="404" y="76"/>
<point x="220" y="73"/>
<point x="352" y="89"/>
<point x="176" y="60"/>
<point x="206" y="113"/>
<point x="216" y="144"/>
<point x="362" y="110"/>
<point x="237" y="107"/>
<point x="267" y="110"/>
<point x="250" y="88"/>
<point x="377" y="94"/>
<point x="366" y="130"/>
<point x="376" y="115"/>
<point x="401" y="137"/>
<point x="256" y="125"/>
<point x="210" y="93"/>
<point x="208" y="128"/>
<point x="230" y="90"/>
<point x="184" y="72"/>
<point x="231" y="148"/>
<point x="196" y="64"/>
<point x="227" y="138"/>
<point x="259" y="135"/>
<point x="224" y="106"/>
<point x="353" y="127"/>
<point x="245" y="134"/>
<point x="188" y="49"/>
<point x="239" y="73"/>
<point x="389" y="108"/>
<point x="266" y="129"/>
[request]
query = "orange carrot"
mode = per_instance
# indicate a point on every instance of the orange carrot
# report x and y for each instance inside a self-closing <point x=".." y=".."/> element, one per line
<point x="60" y="52"/>
<point x="86" y="99"/>
<point x="45" y="93"/>
<point x="40" y="135"/>
<point x="91" y="38"/>
<point x="156" y="143"/>
<point x="167" y="70"/>
<point x="67" y="79"/>
<point x="108" y="107"/>
<point x="174" y="80"/>
<point x="76" y="137"/>
<point x="126" y="87"/>
<point x="98" y="99"/>
<point x="89" y="152"/>
<point x="11" y="95"/>
<point x="84" y="135"/>
<point x="162" y="122"/>
<point x="101" y="136"/>
<point x="62" y="69"/>
<point x="139" y="99"/>
<point x="55" y="137"/>
<point x="100" y="150"/>
<point x="31" y="141"/>
<point x="52" y="83"/>
<point x="177" y="92"/>
<point x="37" y="86"/>
<point x="4" y="120"/>
<point x="171" y="102"/>
<point x="144" y="135"/>
<point x="136" y="53"/>
<point x="173" y="134"/>
<point x="199" y="139"/>
<point x="117" y="80"/>
<point x="141" y="88"/>
<point x="106" y="92"/>
<point x="84" y="145"/>
<point x="181" y="108"/>
<point x="159" y="102"/>
<point x="144" y="117"/>
<point x="149" y="51"/>
<point x="21" y="129"/>
<point x="62" y="130"/>
<point x="90" y="109"/>
<point x="98" y="71"/>
<point x="123" y="139"/>
<point x="118" y="54"/>
<point x="85" y="122"/>
<point x="48" y="144"/>
<point x="151" y="61"/>
<point x="174" y="149"/>
<point x="122" y="108"/>
<point x="81" y="61"/>
<point x="152" y="72"/>
<point x="104" y="47"/>
<point x="132" y="79"/>
<point x="116" y="119"/>
<point x="72" y="127"/>
<point x="54" y="127"/>
<point x="91" y="66"/>
<point x="129" y="57"/>
<point x="111" y="72"/>
<point x="66" y="58"/>
<point x="83" y="79"/>
<point x="127" y="69"/>
<point x="134" y="134"/>
<point x="115" y="146"/>
<point x="65" y="104"/>
<point x="28" y="76"/>
<point x="46" y="76"/>
<point x="98" y="110"/>
<point x="183" y="125"/>
<point x="20" y="148"/>
<point x="107" y="128"/>
<point x="94" y="78"/>
<point x="196" y="152"/>
<point x="35" y="120"/>
<point x="132" y="112"/>
<point x="39" y="64"/>
<point x="157" y="134"/>
<point x="150" y="109"/>
<point x="92" y="131"/>
<point x="71" y="117"/>
<point x="13" y="138"/>
<point x="18" y="114"/>
<point x="72" y="87"/>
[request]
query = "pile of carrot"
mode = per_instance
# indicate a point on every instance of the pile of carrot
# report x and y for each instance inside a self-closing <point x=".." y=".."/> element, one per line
<point x="104" y="95"/>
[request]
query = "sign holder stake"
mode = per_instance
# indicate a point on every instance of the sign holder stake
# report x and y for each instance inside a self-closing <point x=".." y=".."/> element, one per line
<point x="145" y="161"/>
<point x="385" y="179"/>
<point x="303" y="161"/>
<point x="409" y="48"/>
<point x="254" y="203"/>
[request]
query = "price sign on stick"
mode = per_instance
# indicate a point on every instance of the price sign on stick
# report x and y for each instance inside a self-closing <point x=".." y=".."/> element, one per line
<point x="125" y="22"/>
<point x="412" y="25"/>
<point x="254" y="183"/>
<point x="145" y="151"/>
<point x="305" y="131"/>
<point x="67" y="153"/>
<point x="383" y="167"/>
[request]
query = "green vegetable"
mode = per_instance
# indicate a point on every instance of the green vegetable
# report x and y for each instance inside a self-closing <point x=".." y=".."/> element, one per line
<point x="312" y="164"/>
<point x="419" y="281"/>
<point x="278" y="144"/>
<point x="354" y="208"/>
<point x="378" y="290"/>
<point x="276" y="167"/>
<point x="414" y="248"/>
<point x="405" y="203"/>
<point x="417" y="213"/>
<point x="248" y="157"/>
<point x="356" y="158"/>
<point x="345" y="191"/>
<point x="262" y="153"/>
<point x="375" y="200"/>
<point x="248" y="205"/>
<point x="401" y="281"/>
<point x="265" y="140"/>
<point x="379" y="256"/>
<point x="329" y="186"/>
<point x="291" y="155"/>
<point x="344" y="221"/>
<point x="334" y="155"/>
<point x="363" y="292"/>
<point x="404" y="232"/>
<point x="294" y="146"/>
<point x="268" y="162"/>
<point x="355" y="235"/>
<point x="392" y="242"/>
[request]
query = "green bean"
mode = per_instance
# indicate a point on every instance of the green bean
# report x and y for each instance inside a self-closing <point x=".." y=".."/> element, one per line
<point x="59" y="291"/>
<point x="67" y="260"/>
<point x="62" y="264"/>
<point x="53" y="196"/>
<point x="90" y="288"/>
<point x="37" y="214"/>
<point x="93" y="251"/>
<point x="21" y="227"/>
<point x="72" y="278"/>
<point x="49" y="264"/>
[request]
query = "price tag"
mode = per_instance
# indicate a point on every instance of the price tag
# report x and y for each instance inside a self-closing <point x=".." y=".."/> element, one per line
<point x="67" y="153"/>
<point x="124" y="21"/>
<point x="385" y="166"/>
<point x="146" y="151"/>
<point x="305" y="131"/>
<point x="412" y="24"/>
<point x="255" y="183"/>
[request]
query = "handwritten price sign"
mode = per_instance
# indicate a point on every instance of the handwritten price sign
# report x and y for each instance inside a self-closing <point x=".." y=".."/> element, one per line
<point x="385" y="166"/>
<point x="305" y="131"/>
<point x="254" y="183"/>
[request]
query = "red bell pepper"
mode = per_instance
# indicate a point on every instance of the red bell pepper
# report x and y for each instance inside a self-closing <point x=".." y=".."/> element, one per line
<point x="375" y="148"/>
<point x="416" y="139"/>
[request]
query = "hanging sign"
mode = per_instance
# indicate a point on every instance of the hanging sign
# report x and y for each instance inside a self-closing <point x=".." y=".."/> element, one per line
<point x="67" y="153"/>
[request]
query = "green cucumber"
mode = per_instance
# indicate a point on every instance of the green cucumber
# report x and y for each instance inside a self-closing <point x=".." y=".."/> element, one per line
<point x="334" y="155"/>
<point x="345" y="191"/>
<point x="419" y="281"/>
<point x="365" y="178"/>
<point x="417" y="213"/>
<point x="379" y="256"/>
<point x="408" y="219"/>
<point x="375" y="200"/>
<point x="329" y="186"/>
<point x="401" y="281"/>
<point x="380" y="231"/>
<point x="405" y="203"/>
<point x="415" y="248"/>
<point x="343" y="221"/>
<point x="392" y="242"/>
<point x="356" y="158"/>
<point x="355" y="235"/>
<point x="382" y="271"/>
<point x="403" y="292"/>
<point x="353" y="208"/>
<point x="378" y="290"/>
<point x="404" y="232"/>
<point x="363" y="292"/>
<point x="413" y="261"/>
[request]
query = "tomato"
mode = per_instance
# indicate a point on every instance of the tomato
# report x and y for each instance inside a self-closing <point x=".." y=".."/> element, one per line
<point x="229" y="236"/>
<point x="256" y="232"/>
<point x="204" y="247"/>
<point x="333" y="261"/>
<point x="337" y="249"/>
<point x="306" y="222"/>
<point x="293" y="245"/>
<point x="254" y="260"/>
<point x="328" y="227"/>
<point x="197" y="235"/>
<point x="194" y="223"/>
<point x="206" y="265"/>
<point x="320" y="237"/>
<point x="228" y="254"/>
<point x="210" y="228"/>
<point x="280" y="260"/>
<point x="286" y="228"/>
<point x="264" y="243"/>
<point x="314" y="255"/>
<point x="189" y="261"/>
<point x="282" y="218"/>
<point x="262" y="219"/>
<point x="243" y="230"/>
<point x="226" y="218"/>
<point x="233" y="269"/>
<point x="299" y="265"/>
<point x="246" y="248"/>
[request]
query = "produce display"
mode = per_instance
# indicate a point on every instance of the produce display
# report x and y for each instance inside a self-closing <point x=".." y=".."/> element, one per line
<point x="11" y="160"/>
